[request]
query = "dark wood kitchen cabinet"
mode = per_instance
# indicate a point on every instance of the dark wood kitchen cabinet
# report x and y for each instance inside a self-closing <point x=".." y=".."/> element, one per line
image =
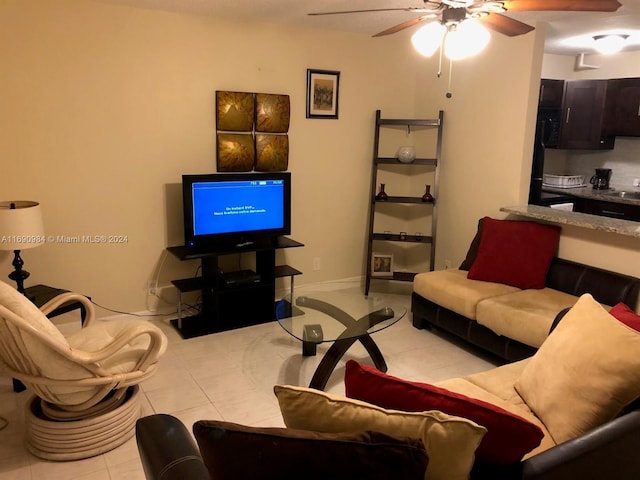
<point x="624" y="112"/>
<point x="551" y="92"/>
<point x="583" y="116"/>
<point x="622" y="211"/>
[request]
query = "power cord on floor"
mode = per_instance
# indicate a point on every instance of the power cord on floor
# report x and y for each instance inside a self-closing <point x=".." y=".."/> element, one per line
<point x="134" y="314"/>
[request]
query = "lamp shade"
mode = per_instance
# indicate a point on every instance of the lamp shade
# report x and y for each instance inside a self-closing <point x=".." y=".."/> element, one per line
<point x="466" y="40"/>
<point x="21" y="225"/>
<point x="427" y="39"/>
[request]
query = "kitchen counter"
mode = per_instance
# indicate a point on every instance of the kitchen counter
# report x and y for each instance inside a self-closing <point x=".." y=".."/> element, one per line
<point x="602" y="195"/>
<point x="593" y="222"/>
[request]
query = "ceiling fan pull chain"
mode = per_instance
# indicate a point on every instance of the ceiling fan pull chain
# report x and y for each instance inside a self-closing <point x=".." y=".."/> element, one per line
<point x="440" y="60"/>
<point x="449" y="94"/>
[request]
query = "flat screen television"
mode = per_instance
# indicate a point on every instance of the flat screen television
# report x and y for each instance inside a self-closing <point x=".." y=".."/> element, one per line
<point x="226" y="210"/>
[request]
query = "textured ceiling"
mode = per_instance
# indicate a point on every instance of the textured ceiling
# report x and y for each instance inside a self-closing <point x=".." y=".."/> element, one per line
<point x="561" y="25"/>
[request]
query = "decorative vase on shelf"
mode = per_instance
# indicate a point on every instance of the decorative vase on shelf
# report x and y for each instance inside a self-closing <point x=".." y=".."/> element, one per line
<point x="427" y="197"/>
<point x="406" y="154"/>
<point x="381" y="196"/>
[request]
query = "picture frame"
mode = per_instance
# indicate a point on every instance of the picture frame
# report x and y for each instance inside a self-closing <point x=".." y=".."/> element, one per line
<point x="323" y="88"/>
<point x="382" y="264"/>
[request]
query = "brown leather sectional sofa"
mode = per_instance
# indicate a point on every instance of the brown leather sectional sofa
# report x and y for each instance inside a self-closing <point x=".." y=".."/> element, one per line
<point x="564" y="276"/>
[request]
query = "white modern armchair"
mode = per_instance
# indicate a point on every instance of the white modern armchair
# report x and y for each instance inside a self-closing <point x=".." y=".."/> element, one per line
<point x="85" y="384"/>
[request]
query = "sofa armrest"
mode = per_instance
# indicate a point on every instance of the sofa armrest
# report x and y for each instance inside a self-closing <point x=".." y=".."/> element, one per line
<point x="167" y="449"/>
<point x="609" y="451"/>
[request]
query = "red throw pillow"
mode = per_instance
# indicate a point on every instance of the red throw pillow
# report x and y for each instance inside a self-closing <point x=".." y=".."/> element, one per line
<point x="515" y="253"/>
<point x="508" y="436"/>
<point x="625" y="315"/>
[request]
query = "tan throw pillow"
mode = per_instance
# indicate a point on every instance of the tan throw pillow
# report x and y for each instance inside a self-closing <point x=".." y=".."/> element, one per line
<point x="450" y="441"/>
<point x="584" y="374"/>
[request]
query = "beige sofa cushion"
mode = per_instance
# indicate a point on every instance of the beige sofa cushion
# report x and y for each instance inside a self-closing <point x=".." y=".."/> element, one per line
<point x="452" y="290"/>
<point x="500" y="381"/>
<point x="503" y="380"/>
<point x="585" y="373"/>
<point x="450" y="441"/>
<point x="525" y="316"/>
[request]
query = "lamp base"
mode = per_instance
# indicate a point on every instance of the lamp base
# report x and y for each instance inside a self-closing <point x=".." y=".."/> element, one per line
<point x="18" y="275"/>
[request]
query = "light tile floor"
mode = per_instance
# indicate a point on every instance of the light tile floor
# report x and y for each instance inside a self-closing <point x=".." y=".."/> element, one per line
<point x="230" y="376"/>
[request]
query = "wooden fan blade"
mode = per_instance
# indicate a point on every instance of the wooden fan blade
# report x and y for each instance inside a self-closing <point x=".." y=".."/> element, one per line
<point x="562" y="5"/>
<point x="403" y="25"/>
<point x="407" y="9"/>
<point x="505" y="25"/>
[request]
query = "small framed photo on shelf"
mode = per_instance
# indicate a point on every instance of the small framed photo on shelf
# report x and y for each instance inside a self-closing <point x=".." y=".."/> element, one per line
<point x="322" y="93"/>
<point x="382" y="265"/>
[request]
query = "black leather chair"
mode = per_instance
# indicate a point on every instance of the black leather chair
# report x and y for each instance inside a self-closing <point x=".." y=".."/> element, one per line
<point x="168" y="452"/>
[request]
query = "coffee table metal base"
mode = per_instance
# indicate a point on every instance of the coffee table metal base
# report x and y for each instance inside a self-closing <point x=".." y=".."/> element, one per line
<point x="356" y="331"/>
<point x="335" y="353"/>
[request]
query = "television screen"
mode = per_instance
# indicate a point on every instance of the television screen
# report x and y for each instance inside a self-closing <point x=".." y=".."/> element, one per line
<point x="235" y="209"/>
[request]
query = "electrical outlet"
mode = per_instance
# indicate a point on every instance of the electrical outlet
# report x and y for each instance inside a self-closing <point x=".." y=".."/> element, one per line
<point x="152" y="287"/>
<point x="636" y="182"/>
<point x="447" y="264"/>
<point x="316" y="263"/>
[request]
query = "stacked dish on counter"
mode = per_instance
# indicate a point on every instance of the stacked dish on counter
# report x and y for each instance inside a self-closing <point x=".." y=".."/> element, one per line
<point x="563" y="181"/>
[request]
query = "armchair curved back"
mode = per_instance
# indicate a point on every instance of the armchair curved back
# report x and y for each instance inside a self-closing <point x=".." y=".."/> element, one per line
<point x="34" y="351"/>
<point x="29" y="343"/>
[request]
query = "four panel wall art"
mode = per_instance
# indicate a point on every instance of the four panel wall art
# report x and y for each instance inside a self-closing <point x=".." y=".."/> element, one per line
<point x="252" y="131"/>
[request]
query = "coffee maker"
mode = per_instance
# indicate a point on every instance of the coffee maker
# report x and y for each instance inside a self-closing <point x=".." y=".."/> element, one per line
<point x="600" y="180"/>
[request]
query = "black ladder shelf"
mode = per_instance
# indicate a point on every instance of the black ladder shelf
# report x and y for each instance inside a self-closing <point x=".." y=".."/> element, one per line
<point x="375" y="237"/>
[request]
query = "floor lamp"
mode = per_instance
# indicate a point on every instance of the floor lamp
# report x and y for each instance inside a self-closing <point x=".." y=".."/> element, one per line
<point x="20" y="228"/>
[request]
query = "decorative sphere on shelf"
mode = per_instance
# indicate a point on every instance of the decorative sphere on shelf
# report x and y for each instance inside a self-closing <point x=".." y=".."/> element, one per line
<point x="406" y="154"/>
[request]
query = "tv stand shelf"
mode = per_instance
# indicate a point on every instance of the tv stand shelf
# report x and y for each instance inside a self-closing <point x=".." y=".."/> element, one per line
<point x="225" y="307"/>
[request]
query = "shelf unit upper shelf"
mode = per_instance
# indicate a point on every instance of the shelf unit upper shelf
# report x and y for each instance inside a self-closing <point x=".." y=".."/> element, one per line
<point x="408" y="122"/>
<point x="395" y="161"/>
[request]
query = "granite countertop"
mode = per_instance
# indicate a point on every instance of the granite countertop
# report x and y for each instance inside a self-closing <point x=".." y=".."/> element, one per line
<point x="594" y="222"/>
<point x="603" y="195"/>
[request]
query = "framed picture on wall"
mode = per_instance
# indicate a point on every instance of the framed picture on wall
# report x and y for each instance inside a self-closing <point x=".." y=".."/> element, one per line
<point x="322" y="93"/>
<point x="382" y="265"/>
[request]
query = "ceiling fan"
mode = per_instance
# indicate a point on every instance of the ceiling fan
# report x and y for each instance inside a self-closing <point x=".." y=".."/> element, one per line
<point x="488" y="12"/>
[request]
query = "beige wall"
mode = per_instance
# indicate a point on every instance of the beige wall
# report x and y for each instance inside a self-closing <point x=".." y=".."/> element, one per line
<point x="620" y="65"/>
<point x="104" y="107"/>
<point x="488" y="136"/>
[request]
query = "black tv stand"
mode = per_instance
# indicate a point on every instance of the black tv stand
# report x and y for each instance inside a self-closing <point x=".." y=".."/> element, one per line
<point x="226" y="306"/>
<point x="244" y="244"/>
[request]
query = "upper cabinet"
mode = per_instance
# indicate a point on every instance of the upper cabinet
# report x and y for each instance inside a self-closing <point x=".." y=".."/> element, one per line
<point x="589" y="114"/>
<point x="623" y="113"/>
<point x="583" y="123"/>
<point x="551" y="93"/>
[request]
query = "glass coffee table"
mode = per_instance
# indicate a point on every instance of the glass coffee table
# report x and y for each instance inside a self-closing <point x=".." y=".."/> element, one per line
<point x="338" y="318"/>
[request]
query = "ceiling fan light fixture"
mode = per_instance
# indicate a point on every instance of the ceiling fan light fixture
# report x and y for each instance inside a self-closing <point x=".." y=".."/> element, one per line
<point x="427" y="39"/>
<point x="466" y="40"/>
<point x="488" y="7"/>
<point x="458" y="3"/>
<point x="610" y="43"/>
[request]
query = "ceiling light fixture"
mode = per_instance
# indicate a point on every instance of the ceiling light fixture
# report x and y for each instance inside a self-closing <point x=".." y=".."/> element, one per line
<point x="610" y="43"/>
<point x="461" y="39"/>
<point x="465" y="40"/>
<point x="427" y="39"/>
